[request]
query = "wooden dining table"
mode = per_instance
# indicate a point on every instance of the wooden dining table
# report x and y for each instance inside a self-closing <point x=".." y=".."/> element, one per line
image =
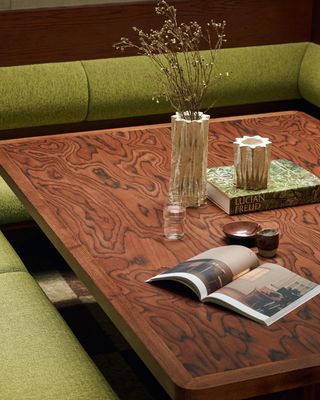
<point x="99" y="198"/>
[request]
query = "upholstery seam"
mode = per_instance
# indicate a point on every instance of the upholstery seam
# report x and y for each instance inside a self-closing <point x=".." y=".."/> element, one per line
<point x="14" y="271"/>
<point x="299" y="72"/>
<point x="88" y="90"/>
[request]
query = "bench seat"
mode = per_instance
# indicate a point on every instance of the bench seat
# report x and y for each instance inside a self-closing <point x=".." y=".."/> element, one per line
<point x="11" y="209"/>
<point x="40" y="357"/>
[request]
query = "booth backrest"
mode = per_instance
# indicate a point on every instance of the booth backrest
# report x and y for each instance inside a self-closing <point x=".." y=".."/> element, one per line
<point x="43" y="94"/>
<point x="309" y="77"/>
<point x="106" y="89"/>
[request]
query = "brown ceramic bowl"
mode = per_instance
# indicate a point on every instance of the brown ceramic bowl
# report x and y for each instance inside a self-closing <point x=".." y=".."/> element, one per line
<point x="241" y="229"/>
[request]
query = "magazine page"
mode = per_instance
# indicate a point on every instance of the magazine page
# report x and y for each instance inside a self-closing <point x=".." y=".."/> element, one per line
<point x="211" y="269"/>
<point x="266" y="293"/>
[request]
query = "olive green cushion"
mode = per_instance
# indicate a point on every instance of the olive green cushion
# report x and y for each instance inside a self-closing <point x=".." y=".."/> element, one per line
<point x="124" y="87"/>
<point x="309" y="80"/>
<point x="257" y="74"/>
<point x="40" y="357"/>
<point x="59" y="93"/>
<point x="11" y="208"/>
<point x="42" y="94"/>
<point x="9" y="260"/>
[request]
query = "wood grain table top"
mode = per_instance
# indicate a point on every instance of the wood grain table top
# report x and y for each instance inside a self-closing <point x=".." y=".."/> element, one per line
<point x="99" y="197"/>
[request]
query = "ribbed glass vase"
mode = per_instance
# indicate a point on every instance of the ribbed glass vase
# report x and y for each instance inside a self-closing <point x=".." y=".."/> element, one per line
<point x="189" y="160"/>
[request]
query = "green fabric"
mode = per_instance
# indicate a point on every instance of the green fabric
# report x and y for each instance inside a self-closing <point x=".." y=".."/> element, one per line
<point x="59" y="93"/>
<point x="42" y="94"/>
<point x="11" y="208"/>
<point x="309" y="80"/>
<point x="124" y="87"/>
<point x="9" y="260"/>
<point x="40" y="357"/>
<point x="257" y="74"/>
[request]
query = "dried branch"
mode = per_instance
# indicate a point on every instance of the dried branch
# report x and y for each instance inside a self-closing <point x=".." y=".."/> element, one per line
<point x="175" y="51"/>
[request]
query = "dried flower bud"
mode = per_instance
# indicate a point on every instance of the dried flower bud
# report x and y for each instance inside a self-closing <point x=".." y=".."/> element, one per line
<point x="186" y="78"/>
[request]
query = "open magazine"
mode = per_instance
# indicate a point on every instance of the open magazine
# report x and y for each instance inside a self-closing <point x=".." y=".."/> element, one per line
<point x="232" y="277"/>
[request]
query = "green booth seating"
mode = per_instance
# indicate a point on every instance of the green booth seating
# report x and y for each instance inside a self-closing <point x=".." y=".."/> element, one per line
<point x="11" y="209"/>
<point x="40" y="357"/>
<point x="44" y="94"/>
<point x="309" y="77"/>
<point x="115" y="88"/>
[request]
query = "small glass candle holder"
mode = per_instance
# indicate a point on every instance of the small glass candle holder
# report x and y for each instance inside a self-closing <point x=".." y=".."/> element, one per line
<point x="174" y="216"/>
<point x="267" y="241"/>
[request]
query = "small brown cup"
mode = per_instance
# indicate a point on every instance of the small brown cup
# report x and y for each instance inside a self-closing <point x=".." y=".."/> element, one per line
<point x="267" y="241"/>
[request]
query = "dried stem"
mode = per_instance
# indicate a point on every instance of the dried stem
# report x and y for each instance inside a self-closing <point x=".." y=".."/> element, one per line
<point x="174" y="50"/>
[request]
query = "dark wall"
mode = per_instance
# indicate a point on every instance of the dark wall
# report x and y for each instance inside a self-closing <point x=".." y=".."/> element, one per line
<point x="316" y="21"/>
<point x="88" y="32"/>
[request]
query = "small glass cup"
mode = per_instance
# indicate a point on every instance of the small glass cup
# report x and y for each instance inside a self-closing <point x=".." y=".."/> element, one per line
<point x="267" y="240"/>
<point x="174" y="216"/>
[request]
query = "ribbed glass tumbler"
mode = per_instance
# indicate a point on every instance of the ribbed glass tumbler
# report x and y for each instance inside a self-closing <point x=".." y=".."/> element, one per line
<point x="189" y="160"/>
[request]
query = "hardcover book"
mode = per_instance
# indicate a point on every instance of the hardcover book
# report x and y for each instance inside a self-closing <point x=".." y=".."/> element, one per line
<point x="231" y="277"/>
<point x="288" y="185"/>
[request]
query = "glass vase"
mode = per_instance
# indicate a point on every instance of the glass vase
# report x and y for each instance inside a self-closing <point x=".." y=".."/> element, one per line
<point x="189" y="158"/>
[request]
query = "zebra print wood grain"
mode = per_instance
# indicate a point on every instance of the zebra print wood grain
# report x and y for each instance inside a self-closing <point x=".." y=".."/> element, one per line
<point x="99" y="198"/>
